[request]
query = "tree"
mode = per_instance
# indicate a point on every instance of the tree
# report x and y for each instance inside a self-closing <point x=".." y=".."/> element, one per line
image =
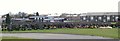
<point x="8" y="19"/>
<point x="21" y="15"/>
<point x="31" y="15"/>
<point x="3" y="16"/>
<point x="37" y="14"/>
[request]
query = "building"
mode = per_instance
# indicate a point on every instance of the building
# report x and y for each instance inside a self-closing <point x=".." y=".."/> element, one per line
<point x="84" y="20"/>
<point x="46" y="18"/>
<point x="93" y="18"/>
<point x="100" y="18"/>
<point x="90" y="18"/>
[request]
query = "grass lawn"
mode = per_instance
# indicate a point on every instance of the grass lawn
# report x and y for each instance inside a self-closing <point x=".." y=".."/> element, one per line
<point x="112" y="33"/>
<point x="7" y="37"/>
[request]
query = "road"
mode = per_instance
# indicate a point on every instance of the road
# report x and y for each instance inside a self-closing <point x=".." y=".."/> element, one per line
<point x="52" y="36"/>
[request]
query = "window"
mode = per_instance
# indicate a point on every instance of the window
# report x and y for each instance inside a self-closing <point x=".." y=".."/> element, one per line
<point x="113" y="16"/>
<point x="91" y="18"/>
<point x="108" y="18"/>
<point x="46" y="17"/>
<point x="104" y="16"/>
<point x="113" y="20"/>
<point x="84" y="18"/>
<point x="100" y="18"/>
<point x="104" y="20"/>
<point x="35" y="18"/>
<point x="96" y="20"/>
<point x="87" y="20"/>
<point x="116" y="18"/>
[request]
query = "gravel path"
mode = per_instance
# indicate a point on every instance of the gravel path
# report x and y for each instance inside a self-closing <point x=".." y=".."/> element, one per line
<point x="51" y="36"/>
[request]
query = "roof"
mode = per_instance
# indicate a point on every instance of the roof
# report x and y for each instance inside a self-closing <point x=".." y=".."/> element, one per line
<point x="58" y="18"/>
<point x="36" y="16"/>
<point x="99" y="13"/>
<point x="20" y="18"/>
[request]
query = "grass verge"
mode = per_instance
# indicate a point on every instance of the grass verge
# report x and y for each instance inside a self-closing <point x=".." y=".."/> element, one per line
<point x="10" y="37"/>
<point x="111" y="33"/>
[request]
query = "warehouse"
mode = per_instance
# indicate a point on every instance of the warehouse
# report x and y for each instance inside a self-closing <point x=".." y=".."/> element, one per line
<point x="94" y="18"/>
<point x="100" y="18"/>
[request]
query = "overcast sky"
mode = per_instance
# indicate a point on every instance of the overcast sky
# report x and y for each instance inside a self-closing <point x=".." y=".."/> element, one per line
<point x="58" y="6"/>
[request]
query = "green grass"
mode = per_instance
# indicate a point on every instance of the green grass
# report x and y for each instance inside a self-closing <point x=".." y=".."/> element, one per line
<point x="112" y="33"/>
<point x="10" y="37"/>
